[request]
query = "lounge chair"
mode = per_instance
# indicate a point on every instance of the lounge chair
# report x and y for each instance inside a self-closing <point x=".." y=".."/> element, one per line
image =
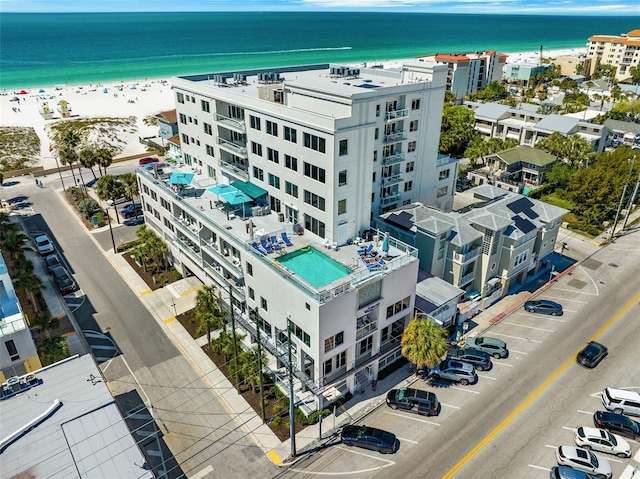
<point x="266" y="246"/>
<point x="274" y="243"/>
<point x="366" y="250"/>
<point x="285" y="238"/>
<point x="255" y="246"/>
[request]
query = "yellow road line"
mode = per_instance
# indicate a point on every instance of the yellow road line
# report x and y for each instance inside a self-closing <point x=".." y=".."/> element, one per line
<point x="275" y="458"/>
<point x="506" y="421"/>
<point x="169" y="320"/>
<point x="145" y="292"/>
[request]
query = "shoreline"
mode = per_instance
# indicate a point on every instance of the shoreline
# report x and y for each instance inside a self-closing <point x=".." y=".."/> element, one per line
<point x="138" y="98"/>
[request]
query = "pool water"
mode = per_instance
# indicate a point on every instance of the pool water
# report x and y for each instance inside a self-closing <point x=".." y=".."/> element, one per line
<point x="314" y="267"/>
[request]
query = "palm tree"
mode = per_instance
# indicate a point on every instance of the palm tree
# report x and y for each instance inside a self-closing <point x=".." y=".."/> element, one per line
<point x="45" y="322"/>
<point x="52" y="350"/>
<point x="424" y="343"/>
<point x="31" y="283"/>
<point x="6" y="225"/>
<point x="13" y="242"/>
<point x="88" y="159"/>
<point x="130" y="183"/>
<point x="108" y="187"/>
<point x="208" y="310"/>
<point x="207" y="322"/>
<point x="104" y="157"/>
<point x="224" y="344"/>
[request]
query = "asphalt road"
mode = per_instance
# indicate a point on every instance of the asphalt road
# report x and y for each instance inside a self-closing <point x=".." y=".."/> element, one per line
<point x="192" y="422"/>
<point x="508" y="424"/>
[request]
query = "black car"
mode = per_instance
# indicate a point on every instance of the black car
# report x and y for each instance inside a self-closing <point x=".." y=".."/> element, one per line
<point x="65" y="282"/>
<point x="369" y="438"/>
<point x="131" y="210"/>
<point x="414" y="400"/>
<point x="480" y="360"/>
<point x="592" y="354"/>
<point x="463" y="184"/>
<point x="51" y="262"/>
<point x="543" y="306"/>
<point x="617" y="423"/>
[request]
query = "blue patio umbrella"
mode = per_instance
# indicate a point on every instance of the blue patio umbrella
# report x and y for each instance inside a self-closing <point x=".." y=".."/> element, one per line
<point x="237" y="198"/>
<point x="178" y="178"/>
<point x="41" y="90"/>
<point x="222" y="189"/>
<point x="385" y="243"/>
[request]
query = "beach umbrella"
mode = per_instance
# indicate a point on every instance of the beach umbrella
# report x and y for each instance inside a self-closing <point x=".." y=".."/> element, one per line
<point x="105" y="90"/>
<point x="385" y="244"/>
<point x="181" y="178"/>
<point x="15" y="98"/>
<point x="237" y="198"/>
<point x="23" y="92"/>
<point x="41" y="90"/>
<point x="222" y="188"/>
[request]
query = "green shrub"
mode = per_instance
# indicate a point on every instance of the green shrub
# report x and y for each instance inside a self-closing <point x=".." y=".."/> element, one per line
<point x="176" y="274"/>
<point x="127" y="246"/>
<point x="277" y="421"/>
<point x="76" y="193"/>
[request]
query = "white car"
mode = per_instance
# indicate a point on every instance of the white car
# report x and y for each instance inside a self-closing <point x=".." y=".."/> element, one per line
<point x="601" y="440"/>
<point x="118" y="201"/>
<point x="583" y="460"/>
<point x="44" y="245"/>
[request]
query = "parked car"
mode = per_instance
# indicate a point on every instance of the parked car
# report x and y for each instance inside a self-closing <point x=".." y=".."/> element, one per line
<point x="51" y="262"/>
<point x="601" y="440"/>
<point x="90" y="183"/>
<point x="369" y="438"/>
<point x="64" y="281"/>
<point x="44" y="245"/>
<point x="543" y="306"/>
<point x="592" y="354"/>
<point x="147" y="160"/>
<point x="457" y="371"/>
<point x="495" y="347"/>
<point x="480" y="360"/>
<point x="129" y="211"/>
<point x="117" y="201"/>
<point x="150" y="166"/>
<point x="565" y="472"/>
<point x="463" y="184"/>
<point x="414" y="400"/>
<point x="621" y="401"/>
<point x="617" y="423"/>
<point x="583" y="460"/>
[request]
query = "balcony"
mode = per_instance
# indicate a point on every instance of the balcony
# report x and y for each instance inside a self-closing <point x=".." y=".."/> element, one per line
<point x="391" y="180"/>
<point x="394" y="137"/>
<point x="392" y="159"/>
<point x="364" y="326"/>
<point x="395" y="114"/>
<point x="233" y="170"/>
<point x="237" y="149"/>
<point x="217" y="275"/>
<point x="387" y="200"/>
<point x="236" y="124"/>
<point x="465" y="258"/>
<point x="467" y="278"/>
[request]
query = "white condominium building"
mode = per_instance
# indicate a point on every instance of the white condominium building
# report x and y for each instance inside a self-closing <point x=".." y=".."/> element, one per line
<point x="282" y="173"/>
<point x="621" y="51"/>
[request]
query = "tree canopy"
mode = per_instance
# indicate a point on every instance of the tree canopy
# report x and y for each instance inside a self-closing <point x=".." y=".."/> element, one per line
<point x="457" y="129"/>
<point x="575" y="150"/>
<point x="424" y="342"/>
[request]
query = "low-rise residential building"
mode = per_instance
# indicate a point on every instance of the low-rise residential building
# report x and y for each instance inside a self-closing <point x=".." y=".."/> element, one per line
<point x="523" y="72"/>
<point x="438" y="299"/>
<point x="469" y="72"/>
<point x="18" y="354"/>
<point x="494" y="120"/>
<point x="167" y="124"/>
<point x="516" y="169"/>
<point x="62" y="421"/>
<point x="574" y="65"/>
<point x="498" y="240"/>
<point x="620" y="51"/>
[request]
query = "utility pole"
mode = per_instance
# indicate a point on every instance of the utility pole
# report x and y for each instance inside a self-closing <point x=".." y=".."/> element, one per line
<point x="630" y="205"/>
<point x="235" y="342"/>
<point x="257" y="318"/>
<point x="292" y="426"/>
<point x="624" y="192"/>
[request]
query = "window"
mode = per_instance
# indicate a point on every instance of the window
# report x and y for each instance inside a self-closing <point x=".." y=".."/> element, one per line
<point x="314" y="142"/>
<point x="256" y="148"/>
<point x="209" y="149"/>
<point x="252" y="293"/>
<point x="343" y="147"/>
<point x="290" y="134"/>
<point x="317" y="227"/>
<point x="291" y="189"/>
<point x="411" y="147"/>
<point x="274" y="181"/>
<point x="444" y="175"/>
<point x="273" y="155"/>
<point x="183" y="118"/>
<point x="185" y="139"/>
<point x="521" y="258"/>
<point x="258" y="173"/>
<point x="263" y="303"/>
<point x="365" y="345"/>
<point x="180" y="97"/>
<point x="12" y="350"/>
<point x="314" y="172"/>
<point x="291" y="162"/>
<point x="327" y="366"/>
<point x="165" y="204"/>
<point x="398" y="306"/>
<point x="415" y="104"/>
<point x="342" y="207"/>
<point x="190" y="120"/>
<point x="314" y="200"/>
<point x="205" y="106"/>
<point x="442" y="191"/>
<point x="249" y="269"/>
<point x="300" y="333"/>
<point x="377" y="110"/>
<point x="207" y="128"/>
<point x="408" y="186"/>
<point x="333" y="341"/>
<point x="254" y="122"/>
<point x="271" y="128"/>
<point x="410" y="166"/>
<point x="413" y="125"/>
<point x="342" y="178"/>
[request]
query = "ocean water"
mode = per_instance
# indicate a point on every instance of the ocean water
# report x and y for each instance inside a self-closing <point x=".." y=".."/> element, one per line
<point x="58" y="49"/>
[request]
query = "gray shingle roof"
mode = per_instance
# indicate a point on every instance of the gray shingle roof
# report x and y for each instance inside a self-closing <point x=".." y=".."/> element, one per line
<point x="553" y="123"/>
<point x="526" y="154"/>
<point x="491" y="111"/>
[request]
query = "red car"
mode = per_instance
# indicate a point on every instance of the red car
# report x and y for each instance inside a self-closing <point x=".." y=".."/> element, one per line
<point x="147" y="160"/>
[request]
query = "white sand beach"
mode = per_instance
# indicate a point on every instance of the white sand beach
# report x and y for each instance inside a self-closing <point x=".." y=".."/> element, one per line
<point x="134" y="98"/>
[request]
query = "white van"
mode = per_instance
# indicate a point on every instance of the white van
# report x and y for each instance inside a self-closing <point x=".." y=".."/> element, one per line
<point x="621" y="401"/>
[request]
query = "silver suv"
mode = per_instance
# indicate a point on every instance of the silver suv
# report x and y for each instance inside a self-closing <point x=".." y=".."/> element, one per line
<point x="463" y="373"/>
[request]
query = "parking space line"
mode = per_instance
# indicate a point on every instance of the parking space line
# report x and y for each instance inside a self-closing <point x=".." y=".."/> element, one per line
<point x="567" y="428"/>
<point x="449" y="405"/>
<point x="486" y="377"/>
<point x="352" y="451"/>
<point x="530" y="327"/>
<point x="570" y="310"/>
<point x="465" y="390"/>
<point x="412" y="418"/>
<point x="517" y="337"/>
<point x="585" y="412"/>
<point x="539" y="467"/>
<point x="515" y="351"/>
<point x="545" y="318"/>
<point x="611" y="459"/>
<point x="549" y="445"/>
<point x="504" y="364"/>
<point x="567" y="299"/>
<point x="408" y="440"/>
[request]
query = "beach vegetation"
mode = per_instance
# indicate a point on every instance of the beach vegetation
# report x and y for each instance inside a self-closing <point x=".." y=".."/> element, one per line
<point x="19" y="147"/>
<point x="625" y="110"/>
<point x="98" y="132"/>
<point x="494" y="91"/>
<point x="456" y="131"/>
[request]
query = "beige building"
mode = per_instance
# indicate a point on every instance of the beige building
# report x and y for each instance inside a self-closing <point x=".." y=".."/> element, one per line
<point x="622" y="51"/>
<point x="571" y="65"/>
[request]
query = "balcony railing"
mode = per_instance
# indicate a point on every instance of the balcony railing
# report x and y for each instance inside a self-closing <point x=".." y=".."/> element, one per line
<point x="234" y="123"/>
<point x="464" y="258"/>
<point x="467" y="278"/>
<point x="365" y="329"/>
<point x="395" y="114"/>
<point x="387" y="200"/>
<point x="391" y="180"/>
<point x="392" y="159"/>
<point x="236" y="148"/>
<point x="234" y="170"/>
<point x="394" y="137"/>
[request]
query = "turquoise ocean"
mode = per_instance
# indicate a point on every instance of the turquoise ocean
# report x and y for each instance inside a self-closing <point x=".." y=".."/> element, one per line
<point x="57" y="49"/>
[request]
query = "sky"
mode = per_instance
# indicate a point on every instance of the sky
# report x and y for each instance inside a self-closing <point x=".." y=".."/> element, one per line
<point x="531" y="7"/>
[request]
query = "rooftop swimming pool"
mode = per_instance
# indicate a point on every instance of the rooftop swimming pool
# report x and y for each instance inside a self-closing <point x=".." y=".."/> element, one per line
<point x="314" y="267"/>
